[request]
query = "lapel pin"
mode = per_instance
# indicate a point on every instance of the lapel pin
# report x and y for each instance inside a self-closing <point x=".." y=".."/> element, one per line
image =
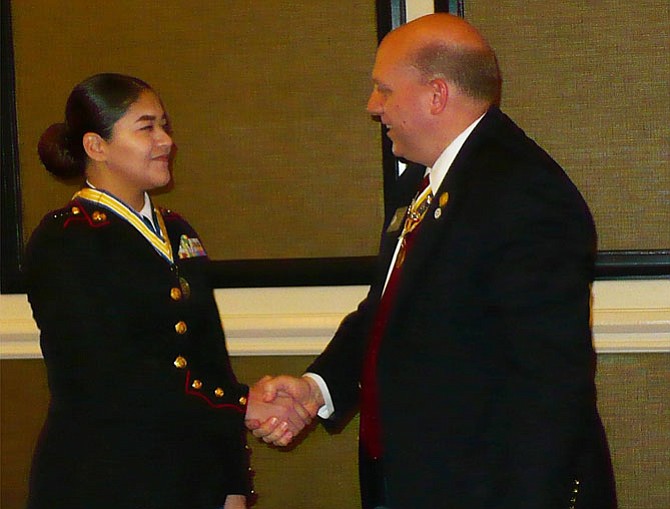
<point x="444" y="198"/>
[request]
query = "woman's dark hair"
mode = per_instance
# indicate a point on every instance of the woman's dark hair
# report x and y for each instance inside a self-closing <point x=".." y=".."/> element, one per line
<point x="94" y="105"/>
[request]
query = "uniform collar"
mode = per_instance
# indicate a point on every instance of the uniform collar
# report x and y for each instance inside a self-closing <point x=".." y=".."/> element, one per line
<point x="147" y="208"/>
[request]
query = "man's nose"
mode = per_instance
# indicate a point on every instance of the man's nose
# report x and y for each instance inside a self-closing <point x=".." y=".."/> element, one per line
<point x="374" y="106"/>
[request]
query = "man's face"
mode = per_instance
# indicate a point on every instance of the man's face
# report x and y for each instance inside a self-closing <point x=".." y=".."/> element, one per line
<point x="400" y="100"/>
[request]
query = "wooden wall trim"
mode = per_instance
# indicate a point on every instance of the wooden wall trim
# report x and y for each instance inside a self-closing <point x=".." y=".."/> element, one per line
<point x="628" y="316"/>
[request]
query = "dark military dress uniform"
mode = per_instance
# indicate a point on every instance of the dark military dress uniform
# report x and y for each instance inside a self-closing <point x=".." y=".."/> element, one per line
<point x="145" y="410"/>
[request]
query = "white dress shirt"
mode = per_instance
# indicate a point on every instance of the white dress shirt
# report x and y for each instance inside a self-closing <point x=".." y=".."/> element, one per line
<point x="148" y="213"/>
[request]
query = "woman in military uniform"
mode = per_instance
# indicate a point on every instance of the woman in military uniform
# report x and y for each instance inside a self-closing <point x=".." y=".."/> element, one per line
<point x="145" y="410"/>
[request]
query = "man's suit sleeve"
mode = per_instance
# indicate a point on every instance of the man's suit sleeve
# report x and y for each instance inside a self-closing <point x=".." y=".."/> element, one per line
<point x="341" y="362"/>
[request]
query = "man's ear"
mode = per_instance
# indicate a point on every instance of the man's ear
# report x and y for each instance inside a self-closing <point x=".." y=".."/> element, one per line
<point x="94" y="146"/>
<point x="440" y="95"/>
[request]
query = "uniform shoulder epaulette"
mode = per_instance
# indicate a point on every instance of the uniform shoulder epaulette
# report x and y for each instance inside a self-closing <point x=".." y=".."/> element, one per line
<point x="168" y="213"/>
<point x="63" y="212"/>
<point x="174" y="218"/>
<point x="75" y="212"/>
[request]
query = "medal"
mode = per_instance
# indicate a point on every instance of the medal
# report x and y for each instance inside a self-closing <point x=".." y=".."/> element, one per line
<point x="185" y="287"/>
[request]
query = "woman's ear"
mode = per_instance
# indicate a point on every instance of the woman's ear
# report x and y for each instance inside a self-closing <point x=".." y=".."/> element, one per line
<point x="94" y="146"/>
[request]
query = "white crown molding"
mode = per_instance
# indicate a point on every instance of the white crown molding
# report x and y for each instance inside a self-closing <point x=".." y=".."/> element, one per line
<point x="628" y="316"/>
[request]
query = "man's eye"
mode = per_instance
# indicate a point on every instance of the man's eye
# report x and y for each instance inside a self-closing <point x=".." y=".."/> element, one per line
<point x="147" y="127"/>
<point x="382" y="90"/>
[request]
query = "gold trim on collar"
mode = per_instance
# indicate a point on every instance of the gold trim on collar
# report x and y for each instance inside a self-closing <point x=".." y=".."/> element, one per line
<point x="122" y="210"/>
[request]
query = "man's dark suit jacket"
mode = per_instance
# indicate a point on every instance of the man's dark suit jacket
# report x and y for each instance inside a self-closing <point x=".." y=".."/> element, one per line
<point x="486" y="371"/>
<point x="130" y="425"/>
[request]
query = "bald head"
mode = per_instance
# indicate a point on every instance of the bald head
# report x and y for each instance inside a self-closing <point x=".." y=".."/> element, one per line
<point x="441" y="27"/>
<point x="446" y="46"/>
<point x="433" y="77"/>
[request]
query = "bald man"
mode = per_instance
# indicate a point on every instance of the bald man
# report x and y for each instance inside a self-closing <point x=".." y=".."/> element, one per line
<point x="471" y="357"/>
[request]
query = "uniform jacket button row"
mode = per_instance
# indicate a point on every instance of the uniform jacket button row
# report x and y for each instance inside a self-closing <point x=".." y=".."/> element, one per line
<point x="181" y="327"/>
<point x="181" y="362"/>
<point x="575" y="492"/>
<point x="218" y="392"/>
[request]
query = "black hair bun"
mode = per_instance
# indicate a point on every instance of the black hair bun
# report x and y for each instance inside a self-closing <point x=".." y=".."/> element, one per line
<point x="55" y="152"/>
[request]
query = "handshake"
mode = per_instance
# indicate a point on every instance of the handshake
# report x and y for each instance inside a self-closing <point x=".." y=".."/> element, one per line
<point x="279" y="408"/>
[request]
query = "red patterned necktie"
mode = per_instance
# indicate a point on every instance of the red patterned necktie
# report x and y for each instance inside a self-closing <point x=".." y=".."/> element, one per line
<point x="370" y="425"/>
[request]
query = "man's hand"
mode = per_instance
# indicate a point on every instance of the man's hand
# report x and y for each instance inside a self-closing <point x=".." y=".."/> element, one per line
<point x="281" y="416"/>
<point x="306" y="398"/>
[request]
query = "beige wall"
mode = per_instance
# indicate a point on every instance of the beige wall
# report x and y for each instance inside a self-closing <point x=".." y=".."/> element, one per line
<point x="589" y="82"/>
<point x="265" y="98"/>
<point x="321" y="470"/>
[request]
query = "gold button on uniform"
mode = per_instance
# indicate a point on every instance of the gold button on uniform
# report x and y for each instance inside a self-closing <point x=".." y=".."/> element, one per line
<point x="98" y="216"/>
<point x="218" y="392"/>
<point x="75" y="210"/>
<point x="243" y="400"/>
<point x="197" y="384"/>
<point x="180" y="362"/>
<point x="175" y="294"/>
<point x="181" y="327"/>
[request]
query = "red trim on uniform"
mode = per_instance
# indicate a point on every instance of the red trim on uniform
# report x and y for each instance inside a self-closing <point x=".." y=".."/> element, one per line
<point x="190" y="392"/>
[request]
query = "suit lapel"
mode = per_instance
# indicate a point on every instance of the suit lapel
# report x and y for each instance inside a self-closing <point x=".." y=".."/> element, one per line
<point x="448" y="197"/>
